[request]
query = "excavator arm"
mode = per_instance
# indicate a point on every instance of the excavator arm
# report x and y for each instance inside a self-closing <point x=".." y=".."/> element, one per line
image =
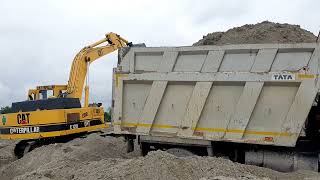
<point x="84" y="58"/>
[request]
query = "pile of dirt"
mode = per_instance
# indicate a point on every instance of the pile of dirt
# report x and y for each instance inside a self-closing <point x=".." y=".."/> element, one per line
<point x="60" y="157"/>
<point x="157" y="165"/>
<point x="6" y="152"/>
<point x="264" y="32"/>
<point x="97" y="157"/>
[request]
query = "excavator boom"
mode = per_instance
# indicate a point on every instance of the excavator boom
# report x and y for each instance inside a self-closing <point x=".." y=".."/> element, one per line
<point x="79" y="69"/>
<point x="88" y="55"/>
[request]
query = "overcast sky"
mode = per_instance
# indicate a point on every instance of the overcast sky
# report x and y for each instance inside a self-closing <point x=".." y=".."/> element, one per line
<point x="39" y="38"/>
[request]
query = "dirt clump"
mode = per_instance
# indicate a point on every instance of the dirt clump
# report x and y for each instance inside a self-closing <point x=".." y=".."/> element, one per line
<point x="264" y="32"/>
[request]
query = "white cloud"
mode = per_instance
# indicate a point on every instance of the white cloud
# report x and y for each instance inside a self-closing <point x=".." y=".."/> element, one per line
<point x="4" y="93"/>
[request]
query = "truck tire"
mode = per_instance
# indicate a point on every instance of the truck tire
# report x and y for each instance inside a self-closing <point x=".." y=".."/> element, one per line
<point x="144" y="148"/>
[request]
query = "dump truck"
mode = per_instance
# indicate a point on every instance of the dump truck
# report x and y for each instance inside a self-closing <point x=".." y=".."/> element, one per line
<point x="256" y="104"/>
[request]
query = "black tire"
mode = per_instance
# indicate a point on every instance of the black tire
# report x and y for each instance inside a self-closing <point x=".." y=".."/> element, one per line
<point x="144" y="149"/>
<point x="21" y="148"/>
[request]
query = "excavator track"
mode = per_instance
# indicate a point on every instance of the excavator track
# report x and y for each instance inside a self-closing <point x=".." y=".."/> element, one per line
<point x="25" y="146"/>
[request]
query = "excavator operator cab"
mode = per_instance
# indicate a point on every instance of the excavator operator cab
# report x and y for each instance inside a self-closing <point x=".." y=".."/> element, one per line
<point x="46" y="98"/>
<point x="45" y="92"/>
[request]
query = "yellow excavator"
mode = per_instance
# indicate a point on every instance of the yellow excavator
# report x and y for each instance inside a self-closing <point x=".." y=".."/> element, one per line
<point x="54" y="113"/>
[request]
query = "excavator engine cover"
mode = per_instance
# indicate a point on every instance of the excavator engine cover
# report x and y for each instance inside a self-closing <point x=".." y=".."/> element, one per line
<point x="46" y="104"/>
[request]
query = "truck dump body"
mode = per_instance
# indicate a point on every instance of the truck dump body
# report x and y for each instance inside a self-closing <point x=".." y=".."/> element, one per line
<point x="252" y="93"/>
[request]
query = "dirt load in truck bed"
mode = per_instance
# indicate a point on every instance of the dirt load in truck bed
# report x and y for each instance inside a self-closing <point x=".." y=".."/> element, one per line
<point x="264" y="32"/>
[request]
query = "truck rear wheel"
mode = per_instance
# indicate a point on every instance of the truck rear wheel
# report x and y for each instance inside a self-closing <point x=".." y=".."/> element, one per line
<point x="144" y="148"/>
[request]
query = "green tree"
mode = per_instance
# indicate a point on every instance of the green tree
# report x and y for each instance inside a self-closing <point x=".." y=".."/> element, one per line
<point x="107" y="115"/>
<point x="5" y="110"/>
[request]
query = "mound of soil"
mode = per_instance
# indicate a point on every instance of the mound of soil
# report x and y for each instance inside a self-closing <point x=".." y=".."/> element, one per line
<point x="60" y="157"/>
<point x="97" y="157"/>
<point x="6" y="152"/>
<point x="264" y="32"/>
<point x="158" y="165"/>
